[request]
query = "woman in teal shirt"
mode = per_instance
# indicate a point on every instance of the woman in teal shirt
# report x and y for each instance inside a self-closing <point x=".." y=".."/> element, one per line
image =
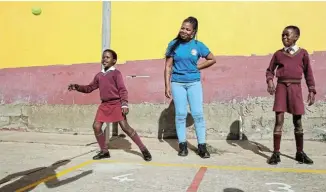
<point x="183" y="82"/>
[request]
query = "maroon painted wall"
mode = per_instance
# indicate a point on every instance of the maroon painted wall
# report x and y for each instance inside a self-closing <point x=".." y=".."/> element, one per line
<point x="233" y="77"/>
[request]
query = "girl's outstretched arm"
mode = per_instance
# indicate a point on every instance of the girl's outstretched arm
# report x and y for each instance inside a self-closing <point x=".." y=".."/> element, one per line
<point x="88" y="88"/>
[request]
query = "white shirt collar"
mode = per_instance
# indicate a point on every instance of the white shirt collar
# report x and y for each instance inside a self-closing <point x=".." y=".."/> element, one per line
<point x="295" y="48"/>
<point x="112" y="68"/>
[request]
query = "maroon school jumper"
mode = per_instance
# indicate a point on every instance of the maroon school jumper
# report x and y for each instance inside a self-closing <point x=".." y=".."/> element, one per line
<point x="288" y="97"/>
<point x="113" y="94"/>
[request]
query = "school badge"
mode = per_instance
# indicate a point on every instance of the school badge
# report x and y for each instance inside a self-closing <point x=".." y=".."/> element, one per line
<point x="194" y="52"/>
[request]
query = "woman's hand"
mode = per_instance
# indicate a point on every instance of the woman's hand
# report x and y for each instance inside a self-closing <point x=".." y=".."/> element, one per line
<point x="168" y="92"/>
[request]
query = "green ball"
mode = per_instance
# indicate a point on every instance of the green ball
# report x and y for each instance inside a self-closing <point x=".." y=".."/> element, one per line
<point x="36" y="10"/>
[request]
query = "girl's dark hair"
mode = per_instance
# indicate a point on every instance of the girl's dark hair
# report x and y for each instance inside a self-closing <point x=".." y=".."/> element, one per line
<point x="113" y="53"/>
<point x="178" y="39"/>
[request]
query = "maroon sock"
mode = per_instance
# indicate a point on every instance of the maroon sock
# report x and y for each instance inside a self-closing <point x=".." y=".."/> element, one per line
<point x="299" y="141"/>
<point x="101" y="142"/>
<point x="277" y="142"/>
<point x="135" y="138"/>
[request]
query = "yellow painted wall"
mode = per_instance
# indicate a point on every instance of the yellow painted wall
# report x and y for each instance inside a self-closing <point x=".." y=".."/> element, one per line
<point x="141" y="30"/>
<point x="70" y="32"/>
<point x="65" y="33"/>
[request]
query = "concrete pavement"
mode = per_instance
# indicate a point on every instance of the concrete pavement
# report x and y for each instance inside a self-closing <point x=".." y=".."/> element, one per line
<point x="58" y="162"/>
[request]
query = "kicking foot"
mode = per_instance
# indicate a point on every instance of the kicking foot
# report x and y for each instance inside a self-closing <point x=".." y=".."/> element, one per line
<point x="183" y="150"/>
<point x="101" y="155"/>
<point x="202" y="151"/>
<point x="147" y="155"/>
<point x="275" y="158"/>
<point x="302" y="157"/>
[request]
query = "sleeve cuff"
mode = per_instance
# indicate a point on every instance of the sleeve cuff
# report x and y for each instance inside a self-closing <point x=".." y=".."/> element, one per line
<point x="206" y="54"/>
<point x="77" y="87"/>
<point x="124" y="105"/>
<point x="268" y="79"/>
<point x="312" y="89"/>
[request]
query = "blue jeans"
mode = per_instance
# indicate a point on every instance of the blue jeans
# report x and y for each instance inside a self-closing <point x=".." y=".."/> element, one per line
<point x="183" y="93"/>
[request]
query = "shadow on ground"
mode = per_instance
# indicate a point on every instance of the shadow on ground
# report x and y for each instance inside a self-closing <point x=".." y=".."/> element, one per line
<point x="235" y="138"/>
<point x="117" y="141"/>
<point x="167" y="130"/>
<point x="232" y="190"/>
<point x="120" y="142"/>
<point x="28" y="179"/>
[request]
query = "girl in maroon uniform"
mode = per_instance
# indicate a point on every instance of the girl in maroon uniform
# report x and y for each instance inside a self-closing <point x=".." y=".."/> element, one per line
<point x="114" y="106"/>
<point x="291" y="62"/>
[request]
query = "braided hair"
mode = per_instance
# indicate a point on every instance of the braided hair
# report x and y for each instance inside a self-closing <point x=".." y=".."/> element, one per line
<point x="178" y="39"/>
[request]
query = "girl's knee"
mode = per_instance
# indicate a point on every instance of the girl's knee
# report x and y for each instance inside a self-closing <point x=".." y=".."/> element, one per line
<point x="298" y="130"/>
<point x="278" y="126"/>
<point x="279" y="119"/>
<point x="126" y="128"/>
<point x="198" y="117"/>
<point x="297" y="121"/>
<point x="278" y="129"/>
<point x="297" y="124"/>
<point x="279" y="123"/>
<point x="181" y="112"/>
<point x="97" y="127"/>
<point x="197" y="111"/>
<point x="180" y="117"/>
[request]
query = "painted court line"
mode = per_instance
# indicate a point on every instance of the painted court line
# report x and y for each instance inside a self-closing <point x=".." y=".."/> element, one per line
<point x="197" y="180"/>
<point x="233" y="168"/>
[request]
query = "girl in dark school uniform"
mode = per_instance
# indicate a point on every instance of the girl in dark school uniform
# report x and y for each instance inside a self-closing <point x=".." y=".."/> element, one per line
<point x="290" y="63"/>
<point x="114" y="106"/>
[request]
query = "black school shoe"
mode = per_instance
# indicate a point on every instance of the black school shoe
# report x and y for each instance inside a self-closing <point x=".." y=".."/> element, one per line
<point x="183" y="149"/>
<point x="202" y="151"/>
<point x="275" y="158"/>
<point x="101" y="155"/>
<point x="147" y="155"/>
<point x="302" y="157"/>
